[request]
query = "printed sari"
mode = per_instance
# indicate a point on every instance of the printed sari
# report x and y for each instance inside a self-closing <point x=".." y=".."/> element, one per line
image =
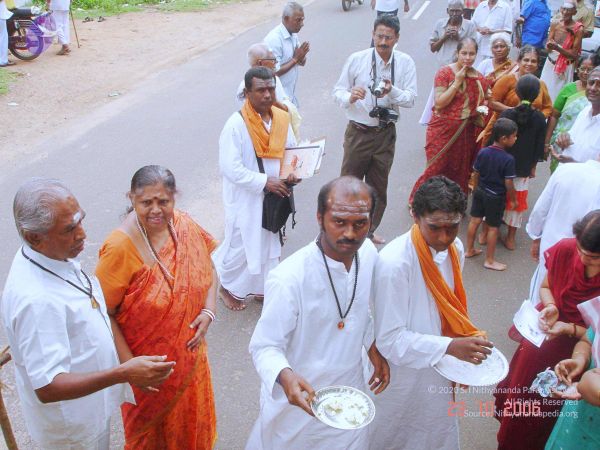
<point x="571" y="109"/>
<point x="450" y="145"/>
<point x="154" y="314"/>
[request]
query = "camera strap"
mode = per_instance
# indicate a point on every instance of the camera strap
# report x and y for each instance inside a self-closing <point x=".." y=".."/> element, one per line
<point x="374" y="66"/>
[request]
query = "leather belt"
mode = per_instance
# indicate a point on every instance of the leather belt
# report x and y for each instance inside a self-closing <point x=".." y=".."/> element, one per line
<point x="368" y="129"/>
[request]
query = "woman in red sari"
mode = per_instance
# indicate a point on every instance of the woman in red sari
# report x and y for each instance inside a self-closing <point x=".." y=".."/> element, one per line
<point x="160" y="290"/>
<point x="450" y="145"/>
<point x="573" y="278"/>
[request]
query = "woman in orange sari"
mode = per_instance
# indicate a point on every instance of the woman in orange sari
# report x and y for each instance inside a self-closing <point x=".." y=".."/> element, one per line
<point x="450" y="145"/>
<point x="160" y="290"/>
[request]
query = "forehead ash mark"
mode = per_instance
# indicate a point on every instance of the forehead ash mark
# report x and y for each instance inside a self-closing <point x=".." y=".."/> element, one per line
<point x="442" y="218"/>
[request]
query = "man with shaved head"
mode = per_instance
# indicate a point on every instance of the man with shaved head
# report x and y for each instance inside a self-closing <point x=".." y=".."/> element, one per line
<point x="67" y="371"/>
<point x="315" y="323"/>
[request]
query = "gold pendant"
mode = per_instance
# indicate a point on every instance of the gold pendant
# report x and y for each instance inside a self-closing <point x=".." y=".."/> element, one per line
<point x="95" y="303"/>
<point x="341" y="325"/>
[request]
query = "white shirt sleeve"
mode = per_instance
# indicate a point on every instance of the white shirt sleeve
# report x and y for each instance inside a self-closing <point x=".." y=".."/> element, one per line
<point x="275" y="45"/>
<point x="270" y="338"/>
<point x="404" y="92"/>
<point x="341" y="91"/>
<point x="508" y="19"/>
<point x="537" y="218"/>
<point x="231" y="163"/>
<point x="40" y="330"/>
<point x="396" y="342"/>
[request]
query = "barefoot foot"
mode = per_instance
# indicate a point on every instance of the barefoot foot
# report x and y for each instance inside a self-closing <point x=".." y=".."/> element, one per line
<point x="472" y="253"/>
<point x="509" y="243"/>
<point x="230" y="301"/>
<point x="494" y="265"/>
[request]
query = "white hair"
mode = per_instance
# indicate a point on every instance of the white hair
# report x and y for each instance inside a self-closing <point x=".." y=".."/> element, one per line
<point x="456" y="3"/>
<point x="500" y="35"/>
<point x="34" y="204"/>
<point x="290" y="8"/>
<point x="256" y="52"/>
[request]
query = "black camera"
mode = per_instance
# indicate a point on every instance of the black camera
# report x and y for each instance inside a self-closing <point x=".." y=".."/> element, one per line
<point x="385" y="115"/>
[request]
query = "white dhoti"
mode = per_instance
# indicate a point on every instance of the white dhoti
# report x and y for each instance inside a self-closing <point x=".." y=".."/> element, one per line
<point x="63" y="27"/>
<point x="555" y="81"/>
<point x="3" y="43"/>
<point x="233" y="269"/>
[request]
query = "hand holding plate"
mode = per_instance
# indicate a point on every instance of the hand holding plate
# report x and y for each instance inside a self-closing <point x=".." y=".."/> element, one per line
<point x="295" y="388"/>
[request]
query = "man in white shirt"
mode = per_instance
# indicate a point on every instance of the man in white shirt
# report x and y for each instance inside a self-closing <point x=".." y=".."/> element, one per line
<point x="284" y="43"/>
<point x="60" y="12"/>
<point x="248" y="251"/>
<point x="572" y="191"/>
<point x="491" y="16"/>
<point x="415" y="327"/>
<point x="449" y="31"/>
<point x="373" y="85"/>
<point x="388" y="7"/>
<point x="315" y="324"/>
<point x="66" y="366"/>
<point x="582" y="142"/>
<point x="260" y="55"/>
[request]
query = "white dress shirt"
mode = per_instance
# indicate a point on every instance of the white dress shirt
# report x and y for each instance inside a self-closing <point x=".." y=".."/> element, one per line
<point x="283" y="44"/>
<point x="572" y="191"/>
<point x="53" y="329"/>
<point x="412" y="413"/>
<point x="585" y="134"/>
<point x="357" y="72"/>
<point x="499" y="17"/>
<point x="298" y="328"/>
<point x="387" y="5"/>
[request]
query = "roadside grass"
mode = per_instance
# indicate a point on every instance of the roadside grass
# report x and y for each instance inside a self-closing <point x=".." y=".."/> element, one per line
<point x="6" y="77"/>
<point x="95" y="8"/>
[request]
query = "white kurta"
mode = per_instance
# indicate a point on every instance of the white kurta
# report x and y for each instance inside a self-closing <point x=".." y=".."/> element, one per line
<point x="248" y="250"/>
<point x="298" y="329"/>
<point x="52" y="329"/>
<point x="412" y="413"/>
<point x="585" y="134"/>
<point x="572" y="191"/>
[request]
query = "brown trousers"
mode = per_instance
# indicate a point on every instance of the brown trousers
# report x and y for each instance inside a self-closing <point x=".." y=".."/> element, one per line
<point x="369" y="155"/>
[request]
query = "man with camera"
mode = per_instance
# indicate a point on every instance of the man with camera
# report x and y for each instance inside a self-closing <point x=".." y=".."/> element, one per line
<point x="374" y="83"/>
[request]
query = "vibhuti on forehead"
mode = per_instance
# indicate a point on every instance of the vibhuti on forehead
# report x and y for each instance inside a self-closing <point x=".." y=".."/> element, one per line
<point x="440" y="218"/>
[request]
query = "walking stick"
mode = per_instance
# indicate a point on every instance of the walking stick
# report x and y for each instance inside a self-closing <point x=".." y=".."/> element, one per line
<point x="74" y="29"/>
<point x="9" y="437"/>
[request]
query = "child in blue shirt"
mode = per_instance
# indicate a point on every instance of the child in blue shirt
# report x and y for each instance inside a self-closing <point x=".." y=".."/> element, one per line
<point x="493" y="183"/>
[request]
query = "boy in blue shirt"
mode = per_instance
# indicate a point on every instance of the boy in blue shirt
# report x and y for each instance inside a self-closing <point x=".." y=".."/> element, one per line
<point x="493" y="183"/>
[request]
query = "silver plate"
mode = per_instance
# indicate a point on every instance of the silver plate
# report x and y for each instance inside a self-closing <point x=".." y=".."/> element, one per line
<point x="343" y="407"/>
<point x="491" y="371"/>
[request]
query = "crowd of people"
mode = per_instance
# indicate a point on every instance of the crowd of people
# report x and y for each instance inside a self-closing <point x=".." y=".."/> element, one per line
<point x="339" y="311"/>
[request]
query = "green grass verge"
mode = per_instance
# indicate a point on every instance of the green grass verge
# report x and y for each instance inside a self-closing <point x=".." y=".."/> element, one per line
<point x="96" y="8"/>
<point x="6" y="77"/>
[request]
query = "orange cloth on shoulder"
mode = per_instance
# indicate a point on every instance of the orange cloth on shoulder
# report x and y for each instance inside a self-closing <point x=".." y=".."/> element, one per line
<point x="452" y="306"/>
<point x="267" y="144"/>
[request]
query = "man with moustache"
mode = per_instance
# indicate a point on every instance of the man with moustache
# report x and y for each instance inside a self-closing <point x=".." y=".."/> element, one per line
<point x="421" y="315"/>
<point x="258" y="133"/>
<point x="315" y="323"/>
<point x="373" y="85"/>
<point x="67" y="371"/>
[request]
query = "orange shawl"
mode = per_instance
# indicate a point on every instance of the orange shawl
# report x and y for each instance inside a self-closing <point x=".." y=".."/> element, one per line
<point x="155" y="321"/>
<point x="267" y="144"/>
<point x="452" y="306"/>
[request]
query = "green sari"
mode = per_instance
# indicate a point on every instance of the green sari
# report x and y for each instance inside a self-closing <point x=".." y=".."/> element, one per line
<point x="569" y="102"/>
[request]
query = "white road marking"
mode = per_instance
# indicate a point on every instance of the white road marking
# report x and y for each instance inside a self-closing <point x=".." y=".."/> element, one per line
<point x="421" y="10"/>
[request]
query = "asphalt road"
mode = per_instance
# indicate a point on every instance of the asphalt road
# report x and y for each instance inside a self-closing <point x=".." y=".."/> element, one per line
<point x="174" y="119"/>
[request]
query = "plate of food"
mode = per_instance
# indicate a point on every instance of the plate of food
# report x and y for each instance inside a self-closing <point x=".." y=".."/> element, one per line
<point x="343" y="407"/>
<point x="491" y="371"/>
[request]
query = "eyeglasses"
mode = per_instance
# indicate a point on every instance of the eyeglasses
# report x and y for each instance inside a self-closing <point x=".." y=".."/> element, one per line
<point x="268" y="59"/>
<point x="584" y="70"/>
